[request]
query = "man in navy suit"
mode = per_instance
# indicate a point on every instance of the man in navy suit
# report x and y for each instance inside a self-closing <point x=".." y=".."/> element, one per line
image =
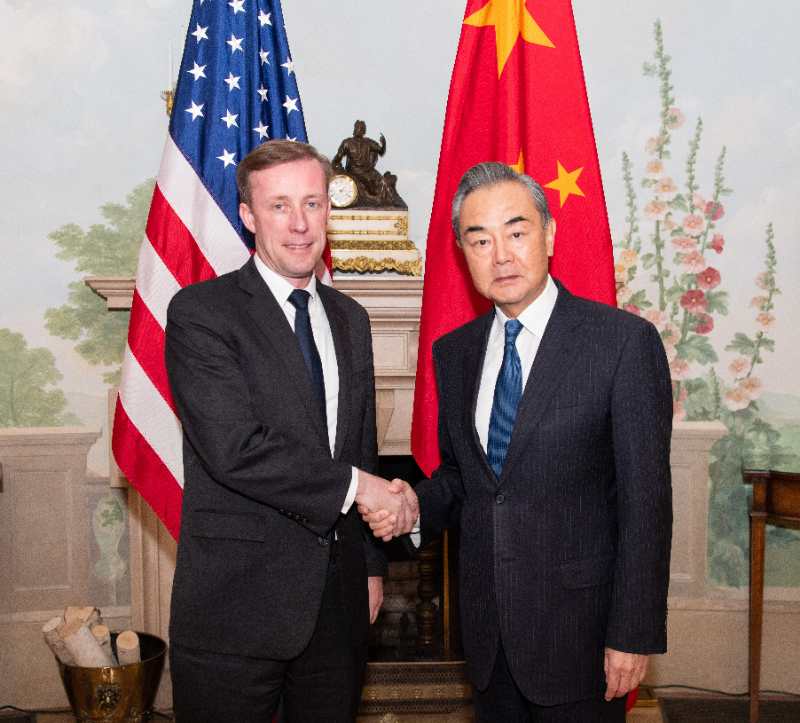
<point x="555" y="418"/>
<point x="276" y="578"/>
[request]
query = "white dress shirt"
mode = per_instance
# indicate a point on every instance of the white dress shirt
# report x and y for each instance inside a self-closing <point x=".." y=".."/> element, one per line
<point x="321" y="328"/>
<point x="534" y="320"/>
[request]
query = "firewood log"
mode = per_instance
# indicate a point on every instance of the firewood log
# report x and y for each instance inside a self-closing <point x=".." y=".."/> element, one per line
<point x="128" y="648"/>
<point x="54" y="641"/>
<point x="83" y="646"/>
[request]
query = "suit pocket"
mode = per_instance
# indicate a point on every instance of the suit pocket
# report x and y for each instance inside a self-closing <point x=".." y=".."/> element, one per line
<point x="589" y="572"/>
<point x="228" y="527"/>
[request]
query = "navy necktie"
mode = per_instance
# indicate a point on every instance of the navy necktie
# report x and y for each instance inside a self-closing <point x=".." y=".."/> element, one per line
<point x="305" y="336"/>
<point x="507" y="393"/>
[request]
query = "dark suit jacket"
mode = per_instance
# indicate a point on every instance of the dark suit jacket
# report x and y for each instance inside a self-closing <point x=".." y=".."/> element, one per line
<point x="569" y="550"/>
<point x="262" y="494"/>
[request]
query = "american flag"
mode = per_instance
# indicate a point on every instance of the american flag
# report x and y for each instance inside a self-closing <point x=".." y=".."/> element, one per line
<point x="236" y="89"/>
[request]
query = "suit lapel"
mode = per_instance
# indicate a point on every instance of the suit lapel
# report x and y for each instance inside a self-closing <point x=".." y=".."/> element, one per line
<point x="474" y="355"/>
<point x="270" y="319"/>
<point x="554" y="358"/>
<point x="344" y="362"/>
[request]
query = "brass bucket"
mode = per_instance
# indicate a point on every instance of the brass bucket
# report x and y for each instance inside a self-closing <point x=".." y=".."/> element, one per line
<point x="123" y="694"/>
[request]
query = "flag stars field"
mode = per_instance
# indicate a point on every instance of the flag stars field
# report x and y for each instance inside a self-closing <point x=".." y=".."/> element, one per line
<point x="195" y="110"/>
<point x="264" y="55"/>
<point x="198" y="71"/>
<point x="235" y="43"/>
<point x="290" y="104"/>
<point x="261" y="129"/>
<point x="229" y="118"/>
<point x="232" y="81"/>
<point x="264" y="18"/>
<point x="227" y="158"/>
<point x="200" y="33"/>
<point x="566" y="183"/>
<point x="237" y="5"/>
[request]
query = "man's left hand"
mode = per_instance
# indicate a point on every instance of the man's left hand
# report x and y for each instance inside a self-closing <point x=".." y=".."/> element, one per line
<point x="624" y="672"/>
<point x="375" y="587"/>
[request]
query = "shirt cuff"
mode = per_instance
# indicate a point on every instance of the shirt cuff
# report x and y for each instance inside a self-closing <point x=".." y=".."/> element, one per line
<point x="415" y="533"/>
<point x="351" y="492"/>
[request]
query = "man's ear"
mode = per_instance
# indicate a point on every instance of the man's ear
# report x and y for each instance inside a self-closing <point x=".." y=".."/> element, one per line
<point x="247" y="217"/>
<point x="550" y="236"/>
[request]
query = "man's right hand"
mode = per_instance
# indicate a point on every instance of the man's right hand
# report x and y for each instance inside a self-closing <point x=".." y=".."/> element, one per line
<point x="387" y="520"/>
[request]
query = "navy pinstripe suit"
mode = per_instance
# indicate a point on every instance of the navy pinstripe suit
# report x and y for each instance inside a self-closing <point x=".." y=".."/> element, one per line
<point x="568" y="551"/>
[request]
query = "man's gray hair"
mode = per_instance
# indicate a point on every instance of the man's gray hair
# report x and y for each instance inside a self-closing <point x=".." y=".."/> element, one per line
<point x="491" y="173"/>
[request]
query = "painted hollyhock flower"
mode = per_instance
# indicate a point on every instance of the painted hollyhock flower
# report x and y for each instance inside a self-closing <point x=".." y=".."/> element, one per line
<point x="694" y="224"/>
<point x="654" y="169"/>
<point x="717" y="242"/>
<point x="670" y="335"/>
<point x="675" y="118"/>
<point x="624" y="294"/>
<point x="759" y="302"/>
<point x="714" y="210"/>
<point x="656" y="210"/>
<point x="751" y="386"/>
<point x="679" y="368"/>
<point x="657" y="318"/>
<point x="678" y="412"/>
<point x="694" y="301"/>
<point x="669" y="224"/>
<point x="620" y="273"/>
<point x="739" y="366"/>
<point x="666" y="188"/>
<point x="632" y="309"/>
<point x="684" y="243"/>
<point x="708" y="278"/>
<point x="653" y="144"/>
<point x="693" y="262"/>
<point x="698" y="201"/>
<point x="628" y="258"/>
<point x="704" y="324"/>
<point x="737" y="399"/>
<point x="765" y="320"/>
<point x="763" y="280"/>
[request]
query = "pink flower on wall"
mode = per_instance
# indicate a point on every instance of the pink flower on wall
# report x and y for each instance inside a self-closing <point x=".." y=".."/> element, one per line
<point x="679" y="368"/>
<point x="708" y="278"/>
<point x="678" y="412"/>
<point x="654" y="169"/>
<point x="751" y="386"/>
<point x="694" y="301"/>
<point x="620" y="273"/>
<point x="656" y="210"/>
<point x="693" y="262"/>
<point x="624" y="294"/>
<point x="763" y="280"/>
<point x="717" y="243"/>
<point x="737" y="399"/>
<point x="684" y="243"/>
<point x="698" y="201"/>
<point x="675" y="118"/>
<point x="628" y="258"/>
<point x="759" y="302"/>
<point x="632" y="309"/>
<point x="714" y="210"/>
<point x="765" y="320"/>
<point x="653" y="145"/>
<point x="666" y="188"/>
<point x="739" y="366"/>
<point x="694" y="224"/>
<point x="657" y="318"/>
<point x="704" y="324"/>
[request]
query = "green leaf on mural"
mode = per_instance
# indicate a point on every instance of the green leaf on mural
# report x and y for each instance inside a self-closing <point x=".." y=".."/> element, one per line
<point x="717" y="301"/>
<point x="648" y="260"/>
<point x="741" y="343"/>
<point x="639" y="299"/>
<point x="697" y="348"/>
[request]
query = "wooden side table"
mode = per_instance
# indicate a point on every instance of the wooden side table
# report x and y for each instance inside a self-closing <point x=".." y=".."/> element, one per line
<point x="776" y="501"/>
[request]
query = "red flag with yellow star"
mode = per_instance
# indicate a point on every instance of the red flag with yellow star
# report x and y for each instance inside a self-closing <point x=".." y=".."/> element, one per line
<point x="517" y="96"/>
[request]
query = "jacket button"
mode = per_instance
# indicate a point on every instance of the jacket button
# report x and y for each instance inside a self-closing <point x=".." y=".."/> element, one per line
<point x="500" y="499"/>
<point x="322" y="541"/>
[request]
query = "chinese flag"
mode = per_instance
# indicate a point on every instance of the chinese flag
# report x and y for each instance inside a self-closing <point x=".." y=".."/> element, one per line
<point x="517" y="96"/>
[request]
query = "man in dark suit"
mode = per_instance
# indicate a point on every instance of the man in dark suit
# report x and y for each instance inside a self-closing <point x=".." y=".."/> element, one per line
<point x="272" y="377"/>
<point x="554" y="426"/>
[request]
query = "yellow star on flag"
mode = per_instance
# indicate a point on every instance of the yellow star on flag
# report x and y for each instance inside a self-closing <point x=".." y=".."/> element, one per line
<point x="519" y="166"/>
<point x="566" y="184"/>
<point x="510" y="19"/>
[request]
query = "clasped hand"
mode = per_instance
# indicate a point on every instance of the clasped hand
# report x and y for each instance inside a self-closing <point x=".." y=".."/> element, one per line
<point x="389" y="508"/>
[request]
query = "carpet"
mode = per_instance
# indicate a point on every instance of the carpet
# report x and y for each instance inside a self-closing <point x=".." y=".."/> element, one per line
<point x="725" y="710"/>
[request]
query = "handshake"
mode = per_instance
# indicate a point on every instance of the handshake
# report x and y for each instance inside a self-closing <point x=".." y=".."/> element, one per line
<point x="389" y="508"/>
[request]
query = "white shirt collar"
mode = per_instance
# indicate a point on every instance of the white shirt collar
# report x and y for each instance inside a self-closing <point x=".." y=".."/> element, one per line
<point x="279" y="286"/>
<point x="535" y="316"/>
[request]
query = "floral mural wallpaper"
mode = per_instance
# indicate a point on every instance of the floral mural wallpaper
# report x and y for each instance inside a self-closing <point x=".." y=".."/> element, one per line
<point x="698" y="154"/>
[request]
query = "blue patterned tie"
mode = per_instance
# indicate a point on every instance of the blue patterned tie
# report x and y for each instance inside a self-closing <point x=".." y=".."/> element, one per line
<point x="302" y="328"/>
<point x="507" y="393"/>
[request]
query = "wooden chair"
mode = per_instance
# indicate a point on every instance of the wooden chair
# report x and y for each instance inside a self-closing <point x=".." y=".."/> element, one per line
<point x="776" y="501"/>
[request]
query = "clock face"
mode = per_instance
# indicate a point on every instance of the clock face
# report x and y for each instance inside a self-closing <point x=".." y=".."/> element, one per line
<point x="342" y="191"/>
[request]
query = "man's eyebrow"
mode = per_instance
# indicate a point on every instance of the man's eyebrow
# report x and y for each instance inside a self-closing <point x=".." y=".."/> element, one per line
<point x="516" y="219"/>
<point x="472" y="229"/>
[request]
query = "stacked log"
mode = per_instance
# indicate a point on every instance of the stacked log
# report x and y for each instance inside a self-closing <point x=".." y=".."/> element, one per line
<point x="80" y="638"/>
